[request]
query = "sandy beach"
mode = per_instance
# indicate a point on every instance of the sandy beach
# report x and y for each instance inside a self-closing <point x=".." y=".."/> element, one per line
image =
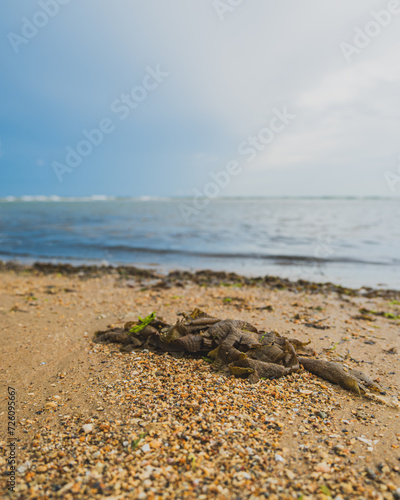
<point x="92" y="422"/>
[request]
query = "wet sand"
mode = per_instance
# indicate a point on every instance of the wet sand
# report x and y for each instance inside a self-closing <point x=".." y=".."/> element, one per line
<point x="96" y="423"/>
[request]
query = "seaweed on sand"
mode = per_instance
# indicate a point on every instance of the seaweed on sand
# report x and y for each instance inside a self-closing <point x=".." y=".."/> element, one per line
<point x="235" y="347"/>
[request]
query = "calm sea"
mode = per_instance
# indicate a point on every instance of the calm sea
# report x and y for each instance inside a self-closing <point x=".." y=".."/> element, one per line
<point x="354" y="242"/>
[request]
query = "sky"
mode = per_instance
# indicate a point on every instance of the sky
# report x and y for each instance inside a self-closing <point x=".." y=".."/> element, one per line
<point x="156" y="98"/>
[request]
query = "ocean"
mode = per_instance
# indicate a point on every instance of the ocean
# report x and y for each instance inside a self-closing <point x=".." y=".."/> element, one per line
<point x="352" y="242"/>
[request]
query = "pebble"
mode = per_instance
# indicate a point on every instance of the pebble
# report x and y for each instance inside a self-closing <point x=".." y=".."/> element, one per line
<point x="323" y="467"/>
<point x="370" y="473"/>
<point x="87" y="428"/>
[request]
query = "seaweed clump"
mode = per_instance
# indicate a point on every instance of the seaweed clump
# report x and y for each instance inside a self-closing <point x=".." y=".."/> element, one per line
<point x="234" y="347"/>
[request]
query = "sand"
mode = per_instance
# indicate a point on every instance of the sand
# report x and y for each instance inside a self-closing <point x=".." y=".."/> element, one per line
<point x="96" y="423"/>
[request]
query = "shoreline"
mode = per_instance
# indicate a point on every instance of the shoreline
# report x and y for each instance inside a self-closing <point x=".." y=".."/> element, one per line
<point x="203" y="277"/>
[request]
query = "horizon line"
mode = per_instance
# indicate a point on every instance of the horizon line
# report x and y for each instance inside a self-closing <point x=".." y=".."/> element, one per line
<point x="101" y="197"/>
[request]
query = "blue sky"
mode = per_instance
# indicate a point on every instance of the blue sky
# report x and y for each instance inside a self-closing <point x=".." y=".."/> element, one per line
<point x="229" y="70"/>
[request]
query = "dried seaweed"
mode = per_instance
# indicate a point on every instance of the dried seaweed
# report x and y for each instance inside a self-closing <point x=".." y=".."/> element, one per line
<point x="235" y="347"/>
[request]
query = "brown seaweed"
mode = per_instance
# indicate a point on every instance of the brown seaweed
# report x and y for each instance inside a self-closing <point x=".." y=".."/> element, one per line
<point x="348" y="378"/>
<point x="263" y="370"/>
<point x="237" y="348"/>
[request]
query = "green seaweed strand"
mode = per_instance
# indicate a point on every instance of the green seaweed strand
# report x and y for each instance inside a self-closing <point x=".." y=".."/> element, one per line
<point x="143" y="323"/>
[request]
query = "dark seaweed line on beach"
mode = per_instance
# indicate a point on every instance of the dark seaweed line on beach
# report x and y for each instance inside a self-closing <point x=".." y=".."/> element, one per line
<point x="202" y="278"/>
